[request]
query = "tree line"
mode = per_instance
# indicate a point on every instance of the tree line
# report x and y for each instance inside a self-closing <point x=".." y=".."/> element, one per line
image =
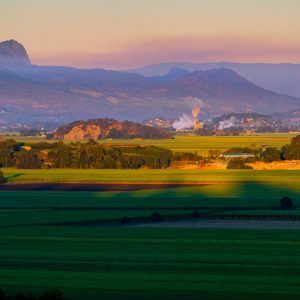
<point x="87" y="155"/>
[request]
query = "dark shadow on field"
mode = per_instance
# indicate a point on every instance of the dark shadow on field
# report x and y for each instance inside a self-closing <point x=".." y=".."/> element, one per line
<point x="69" y="208"/>
<point x="85" y="187"/>
<point x="221" y="196"/>
<point x="218" y="196"/>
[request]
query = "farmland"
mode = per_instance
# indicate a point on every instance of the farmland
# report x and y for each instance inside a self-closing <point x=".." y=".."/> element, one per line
<point x="114" y="263"/>
<point x="147" y="175"/>
<point x="201" y="144"/>
<point x="77" y="242"/>
<point x="111" y="244"/>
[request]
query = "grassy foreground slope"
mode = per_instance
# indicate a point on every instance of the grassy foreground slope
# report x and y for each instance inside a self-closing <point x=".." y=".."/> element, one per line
<point x="124" y="263"/>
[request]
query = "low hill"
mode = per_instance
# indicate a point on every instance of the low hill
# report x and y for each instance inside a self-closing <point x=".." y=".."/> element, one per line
<point x="107" y="128"/>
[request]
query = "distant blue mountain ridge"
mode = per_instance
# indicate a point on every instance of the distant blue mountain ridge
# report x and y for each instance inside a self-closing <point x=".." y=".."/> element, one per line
<point x="61" y="94"/>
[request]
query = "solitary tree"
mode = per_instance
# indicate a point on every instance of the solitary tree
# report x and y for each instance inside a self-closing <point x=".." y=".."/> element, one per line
<point x="196" y="214"/>
<point x="286" y="203"/>
<point x="125" y="220"/>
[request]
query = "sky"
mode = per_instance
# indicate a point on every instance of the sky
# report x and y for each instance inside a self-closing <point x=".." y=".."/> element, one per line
<point x="123" y="34"/>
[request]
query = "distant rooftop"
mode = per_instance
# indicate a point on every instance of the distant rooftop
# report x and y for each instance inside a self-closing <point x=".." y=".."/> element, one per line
<point x="234" y="155"/>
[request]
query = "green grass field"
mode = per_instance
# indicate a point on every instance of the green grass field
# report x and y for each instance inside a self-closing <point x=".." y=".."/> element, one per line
<point x="150" y="175"/>
<point x="131" y="263"/>
<point x="52" y="239"/>
<point x="201" y="144"/>
<point x="233" y="195"/>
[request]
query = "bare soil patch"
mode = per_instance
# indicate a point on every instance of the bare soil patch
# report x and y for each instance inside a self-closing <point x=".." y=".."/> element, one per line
<point x="277" y="165"/>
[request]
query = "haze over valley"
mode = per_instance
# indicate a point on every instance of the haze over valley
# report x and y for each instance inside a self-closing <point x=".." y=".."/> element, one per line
<point x="30" y="93"/>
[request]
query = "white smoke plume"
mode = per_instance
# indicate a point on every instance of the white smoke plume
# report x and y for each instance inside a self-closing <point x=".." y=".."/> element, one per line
<point x="231" y="122"/>
<point x="198" y="103"/>
<point x="183" y="122"/>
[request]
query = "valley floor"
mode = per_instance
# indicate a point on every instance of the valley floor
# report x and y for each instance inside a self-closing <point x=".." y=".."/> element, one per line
<point x="220" y="236"/>
<point x="151" y="263"/>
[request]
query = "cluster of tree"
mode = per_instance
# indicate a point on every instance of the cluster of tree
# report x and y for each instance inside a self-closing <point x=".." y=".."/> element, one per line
<point x="32" y="132"/>
<point x="87" y="155"/>
<point x="12" y="155"/>
<point x="287" y="152"/>
<point x="265" y="154"/>
<point x="50" y="295"/>
<point x="238" y="163"/>
<point x="292" y="151"/>
<point x="269" y="154"/>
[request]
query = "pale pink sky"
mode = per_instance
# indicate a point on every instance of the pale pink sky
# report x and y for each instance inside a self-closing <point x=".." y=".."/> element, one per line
<point x="128" y="33"/>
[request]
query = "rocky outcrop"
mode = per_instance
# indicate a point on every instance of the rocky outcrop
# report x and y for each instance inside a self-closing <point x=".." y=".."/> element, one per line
<point x="107" y="128"/>
<point x="12" y="52"/>
<point x="81" y="132"/>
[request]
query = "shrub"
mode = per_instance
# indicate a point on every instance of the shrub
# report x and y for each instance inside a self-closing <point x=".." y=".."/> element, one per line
<point x="237" y="163"/>
<point x="155" y="217"/>
<point x="125" y="220"/>
<point x="286" y="203"/>
<point x="196" y="214"/>
<point x="270" y="154"/>
<point x="214" y="154"/>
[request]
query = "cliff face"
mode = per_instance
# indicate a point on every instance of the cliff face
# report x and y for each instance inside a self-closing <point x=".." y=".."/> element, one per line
<point x="107" y="128"/>
<point x="81" y="132"/>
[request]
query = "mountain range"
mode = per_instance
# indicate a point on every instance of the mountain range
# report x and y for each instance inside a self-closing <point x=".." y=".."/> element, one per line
<point x="280" y="78"/>
<point x="60" y="94"/>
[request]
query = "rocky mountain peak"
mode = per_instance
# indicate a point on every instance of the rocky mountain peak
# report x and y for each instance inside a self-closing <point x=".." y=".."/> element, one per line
<point x="12" y="52"/>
